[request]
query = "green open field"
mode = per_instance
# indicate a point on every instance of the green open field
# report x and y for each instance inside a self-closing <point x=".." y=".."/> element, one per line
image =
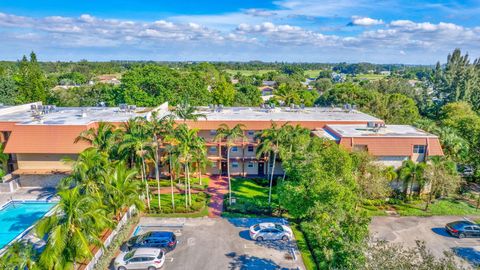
<point x="370" y="77"/>
<point x="245" y="72"/>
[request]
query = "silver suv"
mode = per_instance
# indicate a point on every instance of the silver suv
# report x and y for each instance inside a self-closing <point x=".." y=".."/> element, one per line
<point x="270" y="231"/>
<point x="140" y="258"/>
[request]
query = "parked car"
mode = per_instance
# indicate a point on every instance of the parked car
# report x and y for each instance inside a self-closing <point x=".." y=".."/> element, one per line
<point x="463" y="228"/>
<point x="270" y="231"/>
<point x="157" y="239"/>
<point x="140" y="258"/>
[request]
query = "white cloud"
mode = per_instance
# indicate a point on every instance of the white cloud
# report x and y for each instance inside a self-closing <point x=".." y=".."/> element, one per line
<point x="365" y="21"/>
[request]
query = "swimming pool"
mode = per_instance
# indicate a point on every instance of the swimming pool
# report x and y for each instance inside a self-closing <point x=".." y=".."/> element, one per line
<point x="18" y="216"/>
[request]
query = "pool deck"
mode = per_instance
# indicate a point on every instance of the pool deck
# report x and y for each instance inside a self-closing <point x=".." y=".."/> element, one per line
<point x="28" y="194"/>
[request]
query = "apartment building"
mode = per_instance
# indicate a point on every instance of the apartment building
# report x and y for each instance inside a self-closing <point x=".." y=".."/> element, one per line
<point x="38" y="137"/>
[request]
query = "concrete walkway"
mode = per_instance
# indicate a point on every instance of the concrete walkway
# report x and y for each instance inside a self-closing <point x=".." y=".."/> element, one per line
<point x="217" y="188"/>
<point x="29" y="193"/>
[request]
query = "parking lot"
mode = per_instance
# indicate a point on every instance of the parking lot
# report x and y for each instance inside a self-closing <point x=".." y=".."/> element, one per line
<point x="407" y="230"/>
<point x="206" y="243"/>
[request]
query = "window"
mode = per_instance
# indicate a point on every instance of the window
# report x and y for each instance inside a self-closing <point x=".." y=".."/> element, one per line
<point x="250" y="133"/>
<point x="212" y="149"/>
<point x="250" y="148"/>
<point x="234" y="149"/>
<point x="250" y="165"/>
<point x="234" y="164"/>
<point x="213" y="132"/>
<point x="419" y="149"/>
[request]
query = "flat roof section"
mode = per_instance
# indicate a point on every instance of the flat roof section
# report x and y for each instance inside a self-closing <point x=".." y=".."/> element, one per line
<point x="387" y="131"/>
<point x="23" y="115"/>
<point x="284" y="114"/>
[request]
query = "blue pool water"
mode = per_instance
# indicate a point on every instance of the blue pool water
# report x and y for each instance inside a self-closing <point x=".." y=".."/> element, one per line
<point x="16" y="217"/>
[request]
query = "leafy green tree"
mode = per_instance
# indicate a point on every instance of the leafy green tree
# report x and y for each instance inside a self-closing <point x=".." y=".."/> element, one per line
<point x="287" y="94"/>
<point x="248" y="95"/>
<point x="400" y="109"/>
<point x="372" y="179"/>
<point x="3" y="160"/>
<point x="223" y="93"/>
<point x="19" y="255"/>
<point x="8" y="91"/>
<point x="31" y="81"/>
<point x="230" y="136"/>
<point x="71" y="229"/>
<point x="323" y="84"/>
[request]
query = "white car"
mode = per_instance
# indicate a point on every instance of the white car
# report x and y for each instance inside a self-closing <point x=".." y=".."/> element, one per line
<point x="270" y="231"/>
<point x="140" y="258"/>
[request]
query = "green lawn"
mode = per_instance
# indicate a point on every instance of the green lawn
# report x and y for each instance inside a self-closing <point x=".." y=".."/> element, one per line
<point x="444" y="207"/>
<point x="195" y="182"/>
<point x="303" y="247"/>
<point x="370" y="77"/>
<point x="312" y="73"/>
<point x="251" y="199"/>
<point x="198" y="208"/>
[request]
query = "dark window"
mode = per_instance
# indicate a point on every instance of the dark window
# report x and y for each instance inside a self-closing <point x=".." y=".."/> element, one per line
<point x="419" y="149"/>
<point x="250" y="148"/>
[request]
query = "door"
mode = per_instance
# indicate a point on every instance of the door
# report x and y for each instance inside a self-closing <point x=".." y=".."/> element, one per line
<point x="468" y="231"/>
<point x="476" y="231"/>
<point x="135" y="263"/>
<point x="224" y="168"/>
<point x="261" y="168"/>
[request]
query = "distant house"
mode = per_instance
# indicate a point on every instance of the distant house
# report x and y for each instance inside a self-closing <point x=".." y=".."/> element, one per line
<point x="266" y="90"/>
<point x="269" y="83"/>
<point x="385" y="72"/>
<point x="307" y="83"/>
<point x="234" y="81"/>
<point x="338" y="77"/>
<point x="108" y="79"/>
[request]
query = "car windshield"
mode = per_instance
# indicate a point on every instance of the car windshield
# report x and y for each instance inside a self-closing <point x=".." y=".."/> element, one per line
<point x="128" y="256"/>
<point x="256" y="227"/>
<point x="160" y="256"/>
<point x="279" y="227"/>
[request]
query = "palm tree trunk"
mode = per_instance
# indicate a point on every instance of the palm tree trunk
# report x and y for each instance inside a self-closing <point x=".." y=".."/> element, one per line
<point x="189" y="187"/>
<point x="199" y="173"/>
<point x="186" y="185"/>
<point x="157" y="174"/>
<point x="144" y="178"/>
<point x="228" y="175"/>
<point x="271" y="179"/>
<point x="171" y="182"/>
<point x="284" y="171"/>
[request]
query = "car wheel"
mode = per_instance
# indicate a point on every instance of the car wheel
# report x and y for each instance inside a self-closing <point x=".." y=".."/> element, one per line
<point x="462" y="235"/>
<point x="259" y="238"/>
<point x="122" y="268"/>
<point x="285" y="238"/>
<point x="151" y="268"/>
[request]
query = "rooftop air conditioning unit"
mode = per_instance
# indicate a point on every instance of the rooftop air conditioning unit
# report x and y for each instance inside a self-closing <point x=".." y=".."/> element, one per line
<point x="370" y="124"/>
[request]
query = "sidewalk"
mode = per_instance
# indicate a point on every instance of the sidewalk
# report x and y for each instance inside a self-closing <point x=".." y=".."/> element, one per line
<point x="217" y="188"/>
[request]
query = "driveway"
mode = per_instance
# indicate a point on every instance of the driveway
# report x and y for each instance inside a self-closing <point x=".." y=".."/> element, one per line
<point x="407" y="230"/>
<point x="218" y="243"/>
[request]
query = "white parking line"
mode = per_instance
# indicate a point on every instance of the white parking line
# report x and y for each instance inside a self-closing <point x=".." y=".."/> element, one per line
<point x="248" y="246"/>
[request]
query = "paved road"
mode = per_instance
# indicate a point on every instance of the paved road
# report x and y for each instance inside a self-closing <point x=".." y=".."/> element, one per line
<point x="218" y="243"/>
<point x="407" y="230"/>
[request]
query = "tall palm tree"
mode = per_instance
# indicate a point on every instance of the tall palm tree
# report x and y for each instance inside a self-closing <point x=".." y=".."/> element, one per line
<point x="411" y="172"/>
<point x="230" y="136"/>
<point x="287" y="94"/>
<point x="102" y="137"/>
<point x="270" y="143"/>
<point x="186" y="112"/>
<point x="443" y="177"/>
<point x="75" y="224"/>
<point x="159" y="127"/>
<point x="290" y="135"/>
<point x="187" y="140"/>
<point x="121" y="189"/>
<point x="172" y="152"/>
<point x="135" y="145"/>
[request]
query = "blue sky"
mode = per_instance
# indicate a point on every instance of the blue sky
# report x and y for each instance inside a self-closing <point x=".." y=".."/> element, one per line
<point x="390" y="31"/>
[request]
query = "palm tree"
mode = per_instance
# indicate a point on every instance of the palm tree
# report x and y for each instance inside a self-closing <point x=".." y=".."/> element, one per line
<point x="187" y="140"/>
<point x="87" y="171"/>
<point x="135" y="144"/>
<point x="443" y="177"/>
<point x="172" y="151"/>
<point x="102" y="137"/>
<point x="411" y="172"/>
<point x="159" y="127"/>
<point x="290" y="135"/>
<point x="186" y="112"/>
<point x="121" y="189"/>
<point x="19" y="255"/>
<point x="75" y="225"/>
<point x="270" y="143"/>
<point x="287" y="94"/>
<point x="231" y="137"/>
